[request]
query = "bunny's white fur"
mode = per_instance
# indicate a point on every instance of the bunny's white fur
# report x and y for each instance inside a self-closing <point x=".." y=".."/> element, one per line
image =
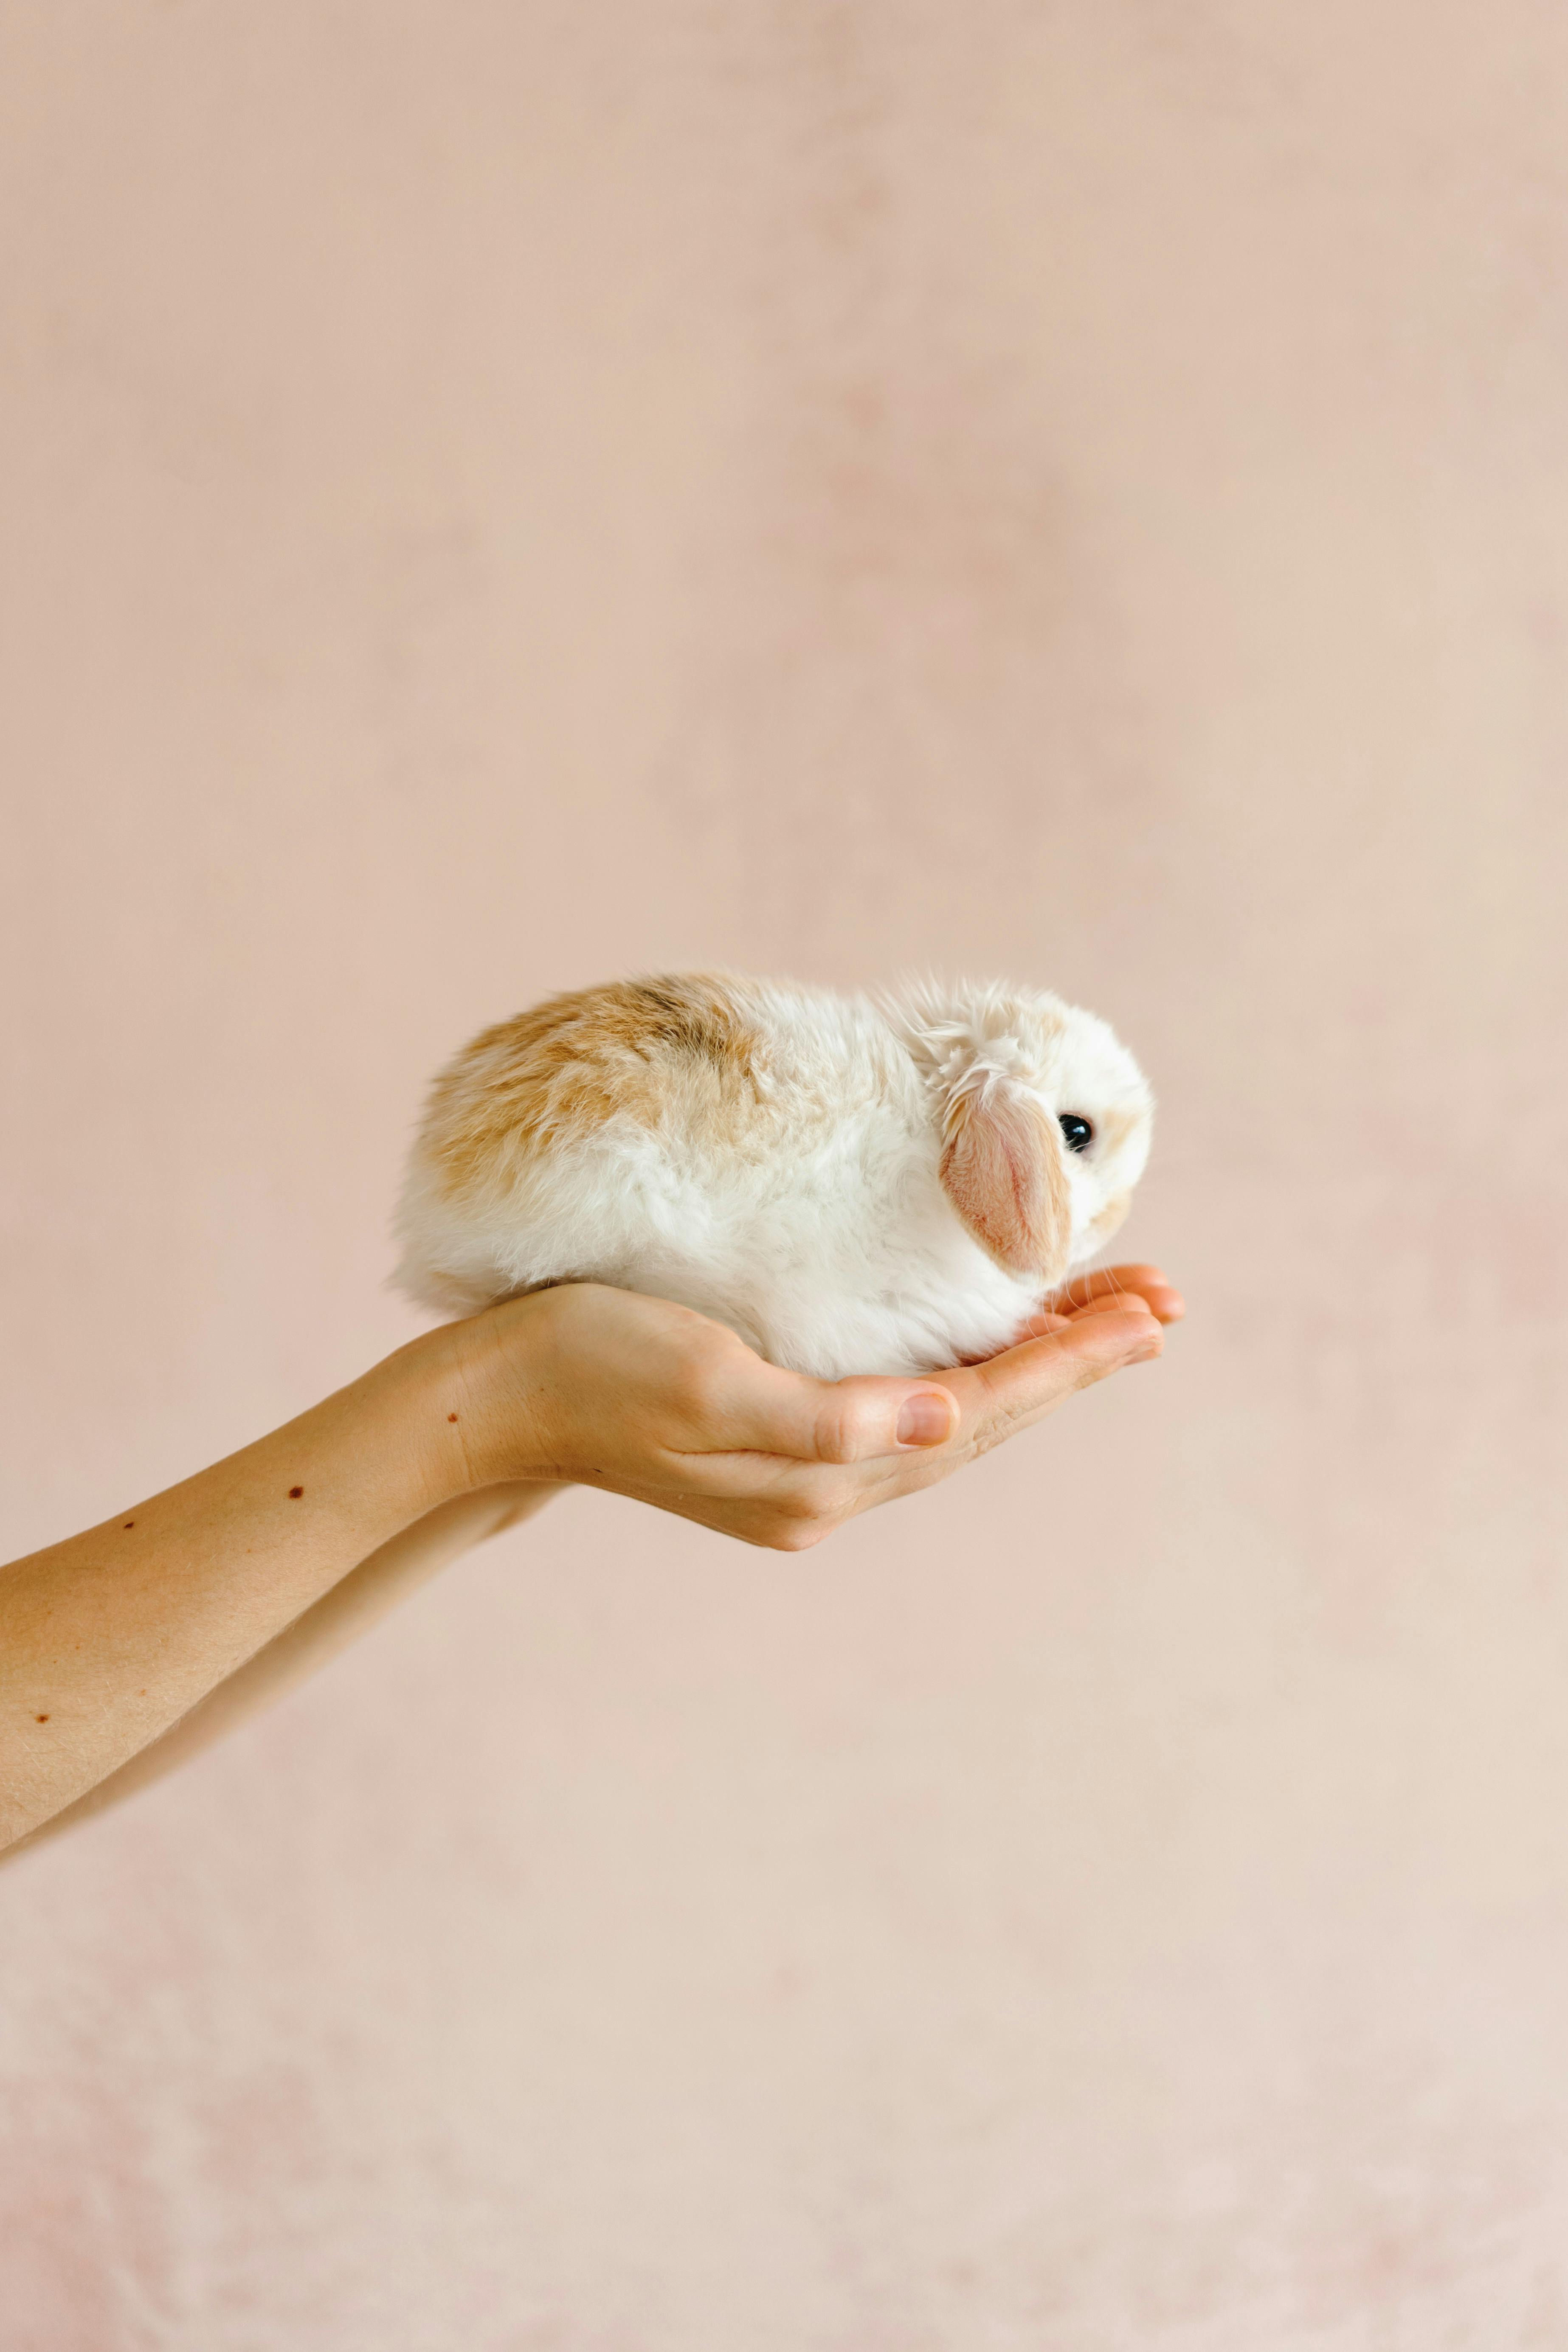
<point x="851" y="1187"/>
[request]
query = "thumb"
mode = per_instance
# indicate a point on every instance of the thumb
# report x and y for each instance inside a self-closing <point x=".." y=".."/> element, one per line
<point x="862" y="1419"/>
<point x="855" y="1419"/>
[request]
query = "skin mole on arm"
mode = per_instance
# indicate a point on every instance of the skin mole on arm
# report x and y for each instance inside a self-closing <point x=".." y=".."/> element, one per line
<point x="295" y="1493"/>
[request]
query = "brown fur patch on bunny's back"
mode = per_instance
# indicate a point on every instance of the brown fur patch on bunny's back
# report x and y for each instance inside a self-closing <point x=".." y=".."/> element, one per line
<point x="680" y="1043"/>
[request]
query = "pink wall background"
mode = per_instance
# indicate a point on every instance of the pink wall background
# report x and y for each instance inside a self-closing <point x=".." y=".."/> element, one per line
<point x="497" y="496"/>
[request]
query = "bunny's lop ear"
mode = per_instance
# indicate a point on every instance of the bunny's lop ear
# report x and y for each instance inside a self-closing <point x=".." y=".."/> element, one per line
<point x="1002" y="1170"/>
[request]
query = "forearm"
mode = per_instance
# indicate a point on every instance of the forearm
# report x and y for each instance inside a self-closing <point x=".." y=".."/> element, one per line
<point x="359" y="1601"/>
<point x="109" y="1639"/>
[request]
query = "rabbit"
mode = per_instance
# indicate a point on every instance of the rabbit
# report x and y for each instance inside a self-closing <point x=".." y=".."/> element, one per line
<point x="851" y="1186"/>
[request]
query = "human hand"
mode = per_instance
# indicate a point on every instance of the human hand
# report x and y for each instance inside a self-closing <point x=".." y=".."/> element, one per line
<point x="608" y="1388"/>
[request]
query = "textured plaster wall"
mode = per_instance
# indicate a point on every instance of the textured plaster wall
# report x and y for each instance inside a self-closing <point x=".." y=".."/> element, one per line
<point x="498" y="495"/>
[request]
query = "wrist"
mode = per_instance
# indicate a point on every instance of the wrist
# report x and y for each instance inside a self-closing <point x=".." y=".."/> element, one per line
<point x="419" y="1405"/>
<point x="481" y="1402"/>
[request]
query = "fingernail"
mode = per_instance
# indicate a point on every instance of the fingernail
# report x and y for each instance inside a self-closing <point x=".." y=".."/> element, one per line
<point x="924" y="1421"/>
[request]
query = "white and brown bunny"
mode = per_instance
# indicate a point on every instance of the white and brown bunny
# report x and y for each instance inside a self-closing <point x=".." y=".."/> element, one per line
<point x="851" y="1186"/>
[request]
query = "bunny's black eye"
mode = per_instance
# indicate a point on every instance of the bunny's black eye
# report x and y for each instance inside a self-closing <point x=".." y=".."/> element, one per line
<point x="1075" y="1132"/>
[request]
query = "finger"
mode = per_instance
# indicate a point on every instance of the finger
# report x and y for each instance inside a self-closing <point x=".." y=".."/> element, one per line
<point x="1130" y="1302"/>
<point x="1034" y="1327"/>
<point x="1017" y="1388"/>
<point x="1154" y="1287"/>
<point x="762" y="1409"/>
<point x="1113" y="1302"/>
<point x="1148" y="1282"/>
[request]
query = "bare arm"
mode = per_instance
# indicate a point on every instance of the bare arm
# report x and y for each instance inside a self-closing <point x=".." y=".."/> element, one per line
<point x="178" y="1611"/>
<point x="365" y="1596"/>
<point x="109" y="1638"/>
